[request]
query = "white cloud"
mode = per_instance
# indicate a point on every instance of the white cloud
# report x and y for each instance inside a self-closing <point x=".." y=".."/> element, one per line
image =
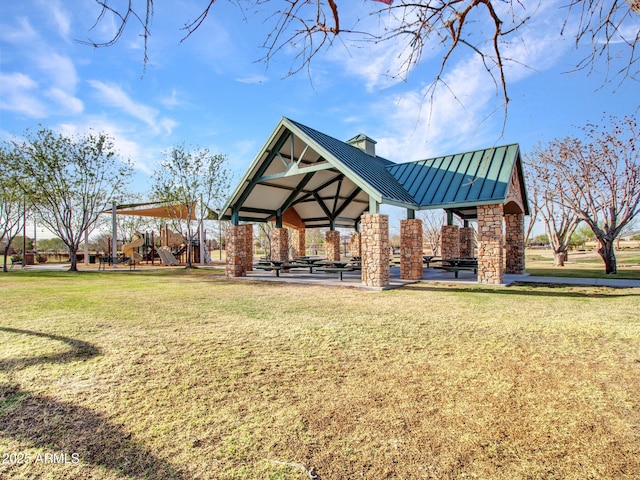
<point x="141" y="157"/>
<point x="168" y="125"/>
<point x="20" y="34"/>
<point x="171" y="101"/>
<point x="59" y="16"/>
<point x="114" y="96"/>
<point x="59" y="69"/>
<point x="55" y="73"/>
<point x="17" y="95"/>
<point x="253" y="79"/>
<point x="70" y="103"/>
<point x="465" y="110"/>
<point x="425" y="122"/>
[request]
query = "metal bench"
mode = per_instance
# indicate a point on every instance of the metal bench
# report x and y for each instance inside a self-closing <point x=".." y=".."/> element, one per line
<point x="455" y="270"/>
<point x="458" y="264"/>
<point x="338" y="270"/>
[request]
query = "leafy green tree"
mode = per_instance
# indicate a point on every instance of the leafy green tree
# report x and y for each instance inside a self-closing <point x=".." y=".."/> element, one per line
<point x="542" y="239"/>
<point x="69" y="181"/>
<point x="51" y="245"/>
<point x="11" y="206"/>
<point x="20" y="241"/>
<point x="190" y="181"/>
<point x="582" y="235"/>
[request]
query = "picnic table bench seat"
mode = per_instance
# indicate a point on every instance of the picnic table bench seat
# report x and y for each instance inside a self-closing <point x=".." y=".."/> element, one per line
<point x="455" y="270"/>
<point x="338" y="270"/>
<point x="458" y="264"/>
<point x="269" y="268"/>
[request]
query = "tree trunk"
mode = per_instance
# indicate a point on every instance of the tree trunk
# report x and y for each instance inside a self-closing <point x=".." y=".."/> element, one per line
<point x="6" y="253"/>
<point x="73" y="260"/>
<point x="607" y="253"/>
<point x="189" y="251"/>
<point x="559" y="257"/>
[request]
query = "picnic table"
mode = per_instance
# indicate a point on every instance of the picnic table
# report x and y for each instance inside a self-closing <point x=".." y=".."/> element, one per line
<point x="306" y="262"/>
<point x="338" y="267"/>
<point x="272" y="266"/>
<point x="429" y="259"/>
<point x="456" y="265"/>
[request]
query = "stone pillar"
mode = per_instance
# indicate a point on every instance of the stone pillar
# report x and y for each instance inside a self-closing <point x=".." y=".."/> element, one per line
<point x="298" y="242"/>
<point x="332" y="245"/>
<point x="279" y="244"/>
<point x="236" y="251"/>
<point x="467" y="242"/>
<point x="375" y="249"/>
<point x="450" y="241"/>
<point x="411" y="249"/>
<point x="514" y="242"/>
<point x="248" y="239"/>
<point x="354" y="246"/>
<point x="490" y="244"/>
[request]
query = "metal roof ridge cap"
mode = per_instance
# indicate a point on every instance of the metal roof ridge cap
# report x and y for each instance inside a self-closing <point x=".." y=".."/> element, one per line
<point x="337" y="163"/>
<point x="516" y="144"/>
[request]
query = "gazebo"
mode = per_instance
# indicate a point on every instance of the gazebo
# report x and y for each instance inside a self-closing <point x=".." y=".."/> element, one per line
<point x="303" y="178"/>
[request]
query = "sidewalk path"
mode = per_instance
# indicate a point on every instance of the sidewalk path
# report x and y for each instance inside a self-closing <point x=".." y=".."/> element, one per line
<point x="600" y="282"/>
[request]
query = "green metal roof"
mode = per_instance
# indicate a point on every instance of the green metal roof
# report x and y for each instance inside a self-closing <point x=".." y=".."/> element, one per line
<point x="480" y="177"/>
<point x="329" y="182"/>
<point x="372" y="169"/>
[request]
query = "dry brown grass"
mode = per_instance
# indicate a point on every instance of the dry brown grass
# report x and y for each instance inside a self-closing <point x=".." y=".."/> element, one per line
<point x="188" y="375"/>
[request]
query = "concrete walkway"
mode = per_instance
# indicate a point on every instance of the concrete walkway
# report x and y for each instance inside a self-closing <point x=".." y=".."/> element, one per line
<point x="352" y="279"/>
<point x="430" y="275"/>
<point x="599" y="282"/>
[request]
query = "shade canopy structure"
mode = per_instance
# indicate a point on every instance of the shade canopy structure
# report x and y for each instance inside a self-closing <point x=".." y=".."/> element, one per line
<point x="156" y="210"/>
<point x="304" y="178"/>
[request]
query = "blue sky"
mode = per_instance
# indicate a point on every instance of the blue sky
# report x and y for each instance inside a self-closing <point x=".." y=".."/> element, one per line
<point x="212" y="90"/>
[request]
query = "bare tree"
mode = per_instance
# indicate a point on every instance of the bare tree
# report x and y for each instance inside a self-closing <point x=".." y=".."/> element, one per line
<point x="264" y="237"/>
<point x="432" y="223"/>
<point x="545" y="187"/>
<point x="309" y="27"/>
<point x="68" y="181"/>
<point x="12" y="205"/>
<point x="602" y="179"/>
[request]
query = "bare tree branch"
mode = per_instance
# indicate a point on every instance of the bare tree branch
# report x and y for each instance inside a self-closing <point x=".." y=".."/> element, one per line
<point x="309" y="27"/>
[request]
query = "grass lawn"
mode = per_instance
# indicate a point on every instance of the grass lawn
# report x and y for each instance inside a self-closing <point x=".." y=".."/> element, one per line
<point x="177" y="374"/>
<point x="586" y="264"/>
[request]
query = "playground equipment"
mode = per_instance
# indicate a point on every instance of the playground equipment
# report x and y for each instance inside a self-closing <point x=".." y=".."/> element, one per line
<point x="167" y="257"/>
<point x="173" y="239"/>
<point x="129" y="249"/>
<point x="144" y="247"/>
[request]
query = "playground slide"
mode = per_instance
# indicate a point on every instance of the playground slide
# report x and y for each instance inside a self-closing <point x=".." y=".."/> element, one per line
<point x="167" y="257"/>
<point x="128" y="249"/>
<point x="174" y="239"/>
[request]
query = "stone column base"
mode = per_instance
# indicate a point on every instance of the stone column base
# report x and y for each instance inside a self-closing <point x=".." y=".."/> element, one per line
<point x="279" y="244"/>
<point x="375" y="250"/>
<point x="490" y="244"/>
<point x="411" y="249"/>
<point x="450" y="241"/>
<point x="236" y="251"/>
<point x="332" y="245"/>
